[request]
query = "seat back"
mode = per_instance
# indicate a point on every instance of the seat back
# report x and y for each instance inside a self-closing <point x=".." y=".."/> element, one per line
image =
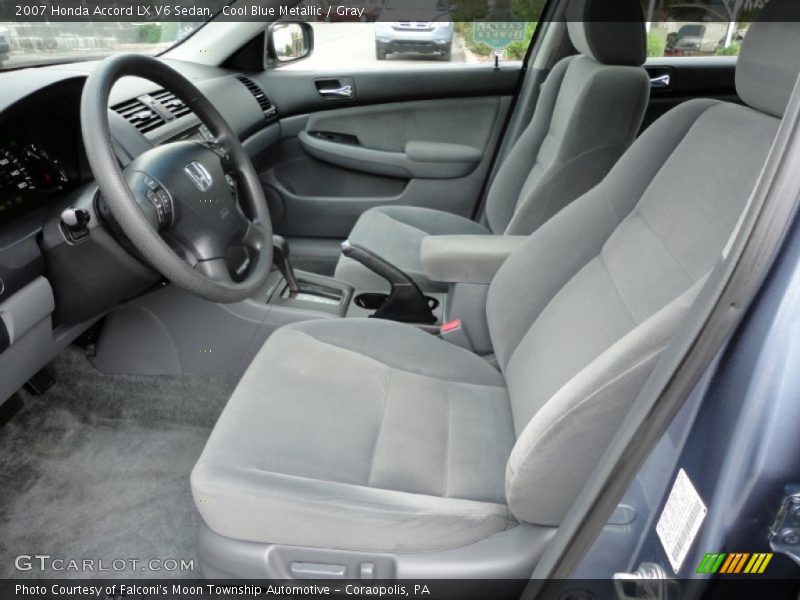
<point x="580" y="314"/>
<point x="589" y="111"/>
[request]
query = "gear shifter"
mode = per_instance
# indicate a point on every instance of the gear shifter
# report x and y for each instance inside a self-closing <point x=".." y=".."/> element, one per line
<point x="406" y="302"/>
<point x="280" y="250"/>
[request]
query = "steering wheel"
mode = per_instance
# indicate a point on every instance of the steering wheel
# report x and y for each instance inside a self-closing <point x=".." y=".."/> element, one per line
<point x="185" y="206"/>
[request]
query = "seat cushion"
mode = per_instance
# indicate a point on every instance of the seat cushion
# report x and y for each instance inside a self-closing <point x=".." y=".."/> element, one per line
<point x="363" y="435"/>
<point x="396" y="233"/>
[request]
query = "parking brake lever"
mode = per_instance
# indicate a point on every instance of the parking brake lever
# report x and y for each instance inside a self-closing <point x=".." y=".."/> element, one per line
<point x="406" y="302"/>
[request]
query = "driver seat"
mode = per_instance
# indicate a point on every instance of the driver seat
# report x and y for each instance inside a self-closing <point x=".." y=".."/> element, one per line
<point x="374" y="439"/>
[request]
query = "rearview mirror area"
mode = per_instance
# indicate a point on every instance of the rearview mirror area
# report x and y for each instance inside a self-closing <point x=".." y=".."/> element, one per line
<point x="288" y="42"/>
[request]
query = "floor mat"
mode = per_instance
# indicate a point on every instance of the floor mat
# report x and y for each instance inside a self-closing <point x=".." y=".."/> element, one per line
<point x="98" y="468"/>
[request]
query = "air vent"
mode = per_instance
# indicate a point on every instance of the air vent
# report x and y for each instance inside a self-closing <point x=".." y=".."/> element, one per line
<point x="139" y="115"/>
<point x="266" y="106"/>
<point x="172" y="103"/>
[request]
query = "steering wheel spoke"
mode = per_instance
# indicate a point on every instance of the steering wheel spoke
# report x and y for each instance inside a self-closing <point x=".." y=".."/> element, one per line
<point x="219" y="146"/>
<point x="256" y="236"/>
<point x="216" y="270"/>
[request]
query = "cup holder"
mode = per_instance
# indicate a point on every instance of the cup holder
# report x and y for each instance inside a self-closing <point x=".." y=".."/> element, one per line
<point x="374" y="300"/>
<point x="371" y="301"/>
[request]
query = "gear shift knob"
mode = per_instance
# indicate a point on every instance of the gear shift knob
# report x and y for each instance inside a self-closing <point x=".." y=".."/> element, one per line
<point x="280" y="253"/>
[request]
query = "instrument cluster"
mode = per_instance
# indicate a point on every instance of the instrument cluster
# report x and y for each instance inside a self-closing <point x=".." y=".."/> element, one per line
<point x="41" y="156"/>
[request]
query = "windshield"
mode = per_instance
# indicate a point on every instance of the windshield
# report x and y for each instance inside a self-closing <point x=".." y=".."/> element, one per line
<point x="25" y="44"/>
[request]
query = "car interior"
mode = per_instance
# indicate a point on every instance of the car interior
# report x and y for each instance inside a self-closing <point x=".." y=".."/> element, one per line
<point x="385" y="332"/>
<point x="588" y="112"/>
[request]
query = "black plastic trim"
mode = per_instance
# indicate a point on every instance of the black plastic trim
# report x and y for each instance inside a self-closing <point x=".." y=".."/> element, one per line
<point x="5" y="337"/>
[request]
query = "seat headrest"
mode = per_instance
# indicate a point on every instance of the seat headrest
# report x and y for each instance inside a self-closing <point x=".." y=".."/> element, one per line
<point x="769" y="61"/>
<point x="610" y="32"/>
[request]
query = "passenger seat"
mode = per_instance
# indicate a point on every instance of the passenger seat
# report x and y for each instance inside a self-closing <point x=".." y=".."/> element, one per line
<point x="589" y="111"/>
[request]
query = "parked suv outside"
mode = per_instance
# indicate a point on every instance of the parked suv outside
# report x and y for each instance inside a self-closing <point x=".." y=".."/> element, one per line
<point x="431" y="34"/>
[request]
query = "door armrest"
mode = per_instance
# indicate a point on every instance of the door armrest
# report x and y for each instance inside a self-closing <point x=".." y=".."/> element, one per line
<point x="418" y="160"/>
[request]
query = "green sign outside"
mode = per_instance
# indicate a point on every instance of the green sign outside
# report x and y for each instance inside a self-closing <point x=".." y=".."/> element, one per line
<point x="498" y="35"/>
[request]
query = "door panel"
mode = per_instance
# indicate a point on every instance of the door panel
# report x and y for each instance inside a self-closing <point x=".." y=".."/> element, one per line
<point x="429" y="144"/>
<point x="295" y="92"/>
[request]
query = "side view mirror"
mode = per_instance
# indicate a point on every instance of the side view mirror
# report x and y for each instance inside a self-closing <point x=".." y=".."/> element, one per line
<point x="287" y="42"/>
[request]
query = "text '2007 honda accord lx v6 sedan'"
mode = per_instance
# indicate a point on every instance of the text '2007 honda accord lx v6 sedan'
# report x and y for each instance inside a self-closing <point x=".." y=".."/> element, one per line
<point x="288" y="308"/>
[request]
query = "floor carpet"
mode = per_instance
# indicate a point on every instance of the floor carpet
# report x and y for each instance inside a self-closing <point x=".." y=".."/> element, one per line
<point x="98" y="468"/>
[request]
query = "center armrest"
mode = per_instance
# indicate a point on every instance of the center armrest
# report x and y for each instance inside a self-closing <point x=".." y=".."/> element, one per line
<point x="467" y="258"/>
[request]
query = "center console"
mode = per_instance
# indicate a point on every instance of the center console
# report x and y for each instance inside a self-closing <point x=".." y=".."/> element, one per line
<point x="169" y="331"/>
<point x="405" y="302"/>
<point x="338" y="299"/>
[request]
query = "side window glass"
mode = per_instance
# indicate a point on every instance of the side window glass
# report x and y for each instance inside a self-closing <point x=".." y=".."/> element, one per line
<point x="379" y="34"/>
<point x="677" y="28"/>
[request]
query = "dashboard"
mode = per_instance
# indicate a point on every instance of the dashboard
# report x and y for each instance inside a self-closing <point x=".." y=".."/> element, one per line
<point x="44" y="170"/>
<point x="55" y="284"/>
<point x="42" y="158"/>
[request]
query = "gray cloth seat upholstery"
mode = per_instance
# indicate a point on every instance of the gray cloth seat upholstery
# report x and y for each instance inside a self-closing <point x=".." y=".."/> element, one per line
<point x="375" y="436"/>
<point x="407" y="454"/>
<point x="589" y="111"/>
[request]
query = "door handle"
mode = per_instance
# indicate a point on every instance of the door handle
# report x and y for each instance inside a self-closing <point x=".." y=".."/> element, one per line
<point x="661" y="82"/>
<point x="344" y="91"/>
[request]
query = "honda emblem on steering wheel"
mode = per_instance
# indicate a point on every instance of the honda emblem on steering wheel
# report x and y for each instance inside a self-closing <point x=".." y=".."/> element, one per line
<point x="199" y="175"/>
